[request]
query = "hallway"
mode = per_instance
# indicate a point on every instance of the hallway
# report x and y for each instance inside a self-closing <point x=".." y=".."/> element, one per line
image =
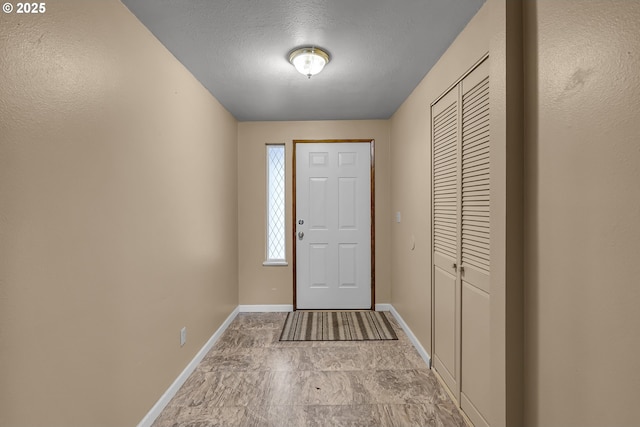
<point x="249" y="378"/>
<point x="133" y="206"/>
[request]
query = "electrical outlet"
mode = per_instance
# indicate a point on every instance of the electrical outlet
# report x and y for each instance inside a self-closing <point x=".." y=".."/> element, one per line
<point x="183" y="336"/>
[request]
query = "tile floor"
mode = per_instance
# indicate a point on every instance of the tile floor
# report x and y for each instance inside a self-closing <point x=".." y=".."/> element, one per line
<point x="249" y="378"/>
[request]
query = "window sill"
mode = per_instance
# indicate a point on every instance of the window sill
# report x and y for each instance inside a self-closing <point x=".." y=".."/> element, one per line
<point x="275" y="263"/>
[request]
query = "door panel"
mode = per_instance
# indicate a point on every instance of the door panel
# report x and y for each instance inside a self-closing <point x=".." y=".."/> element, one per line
<point x="347" y="208"/>
<point x="318" y="214"/>
<point x="333" y="225"/>
<point x="445" y="326"/>
<point x="318" y="266"/>
<point x="348" y="260"/>
<point x="475" y="397"/>
<point x="446" y="229"/>
<point x="475" y="254"/>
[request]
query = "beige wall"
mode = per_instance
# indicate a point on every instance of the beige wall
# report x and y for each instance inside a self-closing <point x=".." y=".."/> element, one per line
<point x="582" y="213"/>
<point x="411" y="178"/>
<point x="118" y="216"/>
<point x="274" y="285"/>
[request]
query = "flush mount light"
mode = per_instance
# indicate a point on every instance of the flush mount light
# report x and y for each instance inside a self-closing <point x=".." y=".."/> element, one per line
<point x="309" y="60"/>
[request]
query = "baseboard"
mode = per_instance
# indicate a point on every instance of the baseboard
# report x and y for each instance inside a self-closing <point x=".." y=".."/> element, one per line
<point x="414" y="340"/>
<point x="383" y="307"/>
<point x="173" y="389"/>
<point x="268" y="308"/>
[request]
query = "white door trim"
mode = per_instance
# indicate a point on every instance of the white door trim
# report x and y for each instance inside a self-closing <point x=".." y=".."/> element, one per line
<point x="371" y="143"/>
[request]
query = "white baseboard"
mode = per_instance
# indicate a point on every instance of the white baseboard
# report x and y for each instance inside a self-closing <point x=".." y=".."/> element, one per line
<point x="173" y="389"/>
<point x="414" y="340"/>
<point x="383" y="307"/>
<point x="268" y="308"/>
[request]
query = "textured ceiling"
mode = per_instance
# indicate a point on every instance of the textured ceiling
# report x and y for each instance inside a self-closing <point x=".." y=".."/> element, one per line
<point x="380" y="51"/>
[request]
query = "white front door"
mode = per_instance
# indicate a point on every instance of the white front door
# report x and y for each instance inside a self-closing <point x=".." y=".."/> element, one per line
<point x="333" y="225"/>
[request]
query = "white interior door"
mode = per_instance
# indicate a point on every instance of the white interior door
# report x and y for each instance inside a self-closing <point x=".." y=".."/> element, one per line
<point x="333" y="225"/>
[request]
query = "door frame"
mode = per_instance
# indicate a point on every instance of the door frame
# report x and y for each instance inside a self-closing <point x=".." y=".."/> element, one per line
<point x="371" y="143"/>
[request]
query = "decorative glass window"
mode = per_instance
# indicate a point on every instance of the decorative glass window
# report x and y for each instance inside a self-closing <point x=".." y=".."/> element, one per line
<point x="276" y="247"/>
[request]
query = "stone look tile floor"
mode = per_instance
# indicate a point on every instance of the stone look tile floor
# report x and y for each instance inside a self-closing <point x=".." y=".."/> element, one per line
<point x="249" y="378"/>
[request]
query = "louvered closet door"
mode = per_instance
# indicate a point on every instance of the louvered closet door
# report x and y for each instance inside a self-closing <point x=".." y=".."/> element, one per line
<point x="461" y="236"/>
<point x="446" y="231"/>
<point x="474" y="254"/>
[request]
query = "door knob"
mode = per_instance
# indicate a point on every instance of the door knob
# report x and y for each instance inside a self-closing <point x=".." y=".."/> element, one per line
<point x="455" y="267"/>
<point x="462" y="269"/>
<point x="300" y="235"/>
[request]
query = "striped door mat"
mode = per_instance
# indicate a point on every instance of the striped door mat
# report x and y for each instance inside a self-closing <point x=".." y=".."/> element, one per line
<point x="337" y="326"/>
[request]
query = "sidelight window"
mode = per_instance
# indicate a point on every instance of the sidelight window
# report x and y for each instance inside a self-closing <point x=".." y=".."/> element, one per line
<point x="276" y="241"/>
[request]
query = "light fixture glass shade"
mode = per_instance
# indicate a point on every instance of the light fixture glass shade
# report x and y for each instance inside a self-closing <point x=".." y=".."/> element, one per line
<point x="309" y="60"/>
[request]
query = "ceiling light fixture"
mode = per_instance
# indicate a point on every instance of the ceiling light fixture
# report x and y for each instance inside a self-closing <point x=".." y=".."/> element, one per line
<point x="309" y="60"/>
